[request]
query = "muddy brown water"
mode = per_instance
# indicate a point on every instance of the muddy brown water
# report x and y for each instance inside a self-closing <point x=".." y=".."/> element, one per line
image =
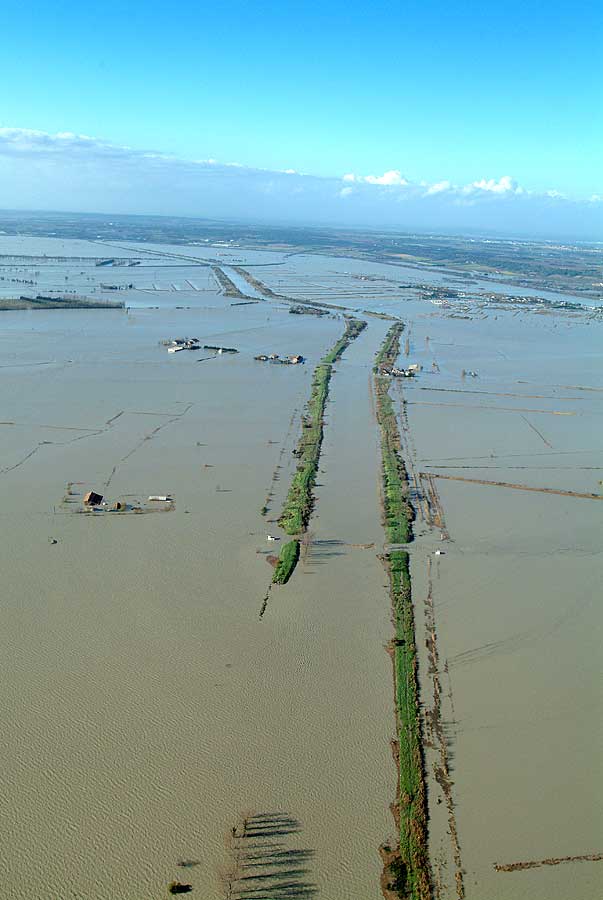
<point x="144" y="702"/>
<point x="516" y="602"/>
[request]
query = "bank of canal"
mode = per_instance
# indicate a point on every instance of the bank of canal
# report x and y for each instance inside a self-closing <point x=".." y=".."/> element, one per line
<point x="405" y="866"/>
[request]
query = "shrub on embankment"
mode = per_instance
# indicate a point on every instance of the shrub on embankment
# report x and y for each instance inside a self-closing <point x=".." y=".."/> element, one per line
<point x="390" y="348"/>
<point x="412" y="791"/>
<point x="398" y="513"/>
<point x="287" y="562"/>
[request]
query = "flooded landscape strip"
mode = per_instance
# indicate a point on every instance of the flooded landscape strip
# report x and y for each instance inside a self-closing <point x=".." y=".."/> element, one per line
<point x="58" y="302"/>
<point x="536" y="863"/>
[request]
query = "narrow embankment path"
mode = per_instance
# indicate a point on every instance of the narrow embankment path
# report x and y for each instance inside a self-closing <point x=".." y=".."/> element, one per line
<point x="406" y="871"/>
<point x="299" y="502"/>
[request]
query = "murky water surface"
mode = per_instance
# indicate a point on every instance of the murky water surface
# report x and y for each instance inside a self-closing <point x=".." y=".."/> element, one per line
<point x="146" y="704"/>
<point x="516" y="595"/>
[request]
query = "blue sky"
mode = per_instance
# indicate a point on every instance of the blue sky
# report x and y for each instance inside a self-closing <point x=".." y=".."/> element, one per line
<point x="461" y="93"/>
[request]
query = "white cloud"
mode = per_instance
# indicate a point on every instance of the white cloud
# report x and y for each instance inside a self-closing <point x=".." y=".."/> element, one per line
<point x="485" y="187"/>
<point x="438" y="188"/>
<point x="393" y="177"/>
<point x="89" y="151"/>
<point x="28" y="141"/>
<point x="504" y="185"/>
<point x="22" y="142"/>
<point x="78" y="172"/>
<point x="389" y="179"/>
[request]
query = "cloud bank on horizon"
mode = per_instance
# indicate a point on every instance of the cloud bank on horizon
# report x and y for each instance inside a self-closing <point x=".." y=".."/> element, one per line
<point x="73" y="172"/>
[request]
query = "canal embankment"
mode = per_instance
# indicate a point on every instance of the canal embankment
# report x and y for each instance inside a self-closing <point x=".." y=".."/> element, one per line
<point x="299" y="502"/>
<point x="406" y="872"/>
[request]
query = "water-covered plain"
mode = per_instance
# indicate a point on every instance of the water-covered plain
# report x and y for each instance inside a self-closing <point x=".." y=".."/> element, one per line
<point x="147" y="706"/>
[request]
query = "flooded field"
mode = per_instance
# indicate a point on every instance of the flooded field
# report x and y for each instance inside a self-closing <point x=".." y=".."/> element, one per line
<point x="513" y="603"/>
<point x="148" y="708"/>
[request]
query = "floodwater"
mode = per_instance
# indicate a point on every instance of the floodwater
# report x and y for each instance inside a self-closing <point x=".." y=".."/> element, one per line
<point x="515" y="598"/>
<point x="146" y="704"/>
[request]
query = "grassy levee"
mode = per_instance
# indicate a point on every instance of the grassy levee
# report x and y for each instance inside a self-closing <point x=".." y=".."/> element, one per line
<point x="300" y="500"/>
<point x="398" y="513"/>
<point x="390" y="348"/>
<point x="412" y="798"/>
<point x="287" y="562"/>
<point x="406" y="868"/>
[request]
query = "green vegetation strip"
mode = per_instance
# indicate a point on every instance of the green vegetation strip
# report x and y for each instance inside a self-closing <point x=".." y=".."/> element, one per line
<point x="406" y="872"/>
<point x="300" y="500"/>
<point x="287" y="562"/>
<point x="397" y="510"/>
<point x="390" y="348"/>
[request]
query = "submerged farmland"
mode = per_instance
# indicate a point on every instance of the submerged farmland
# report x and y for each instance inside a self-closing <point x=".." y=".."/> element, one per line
<point x="149" y="710"/>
